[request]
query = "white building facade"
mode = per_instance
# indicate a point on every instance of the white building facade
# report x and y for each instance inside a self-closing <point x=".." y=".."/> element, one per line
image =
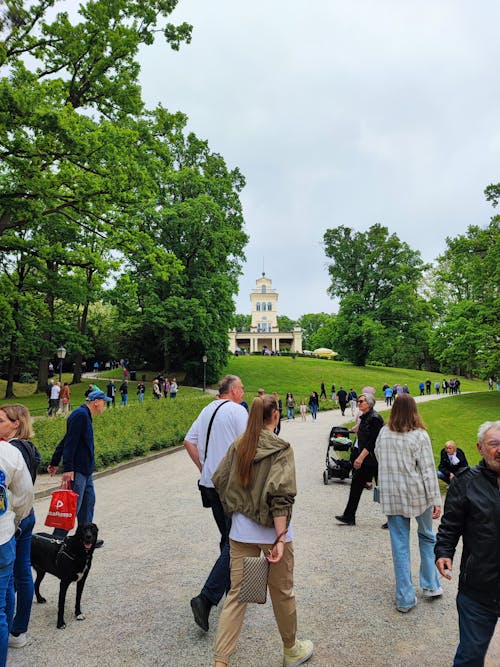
<point x="264" y="335"/>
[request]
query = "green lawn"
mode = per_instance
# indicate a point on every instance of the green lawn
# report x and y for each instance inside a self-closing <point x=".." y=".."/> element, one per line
<point x="302" y="375"/>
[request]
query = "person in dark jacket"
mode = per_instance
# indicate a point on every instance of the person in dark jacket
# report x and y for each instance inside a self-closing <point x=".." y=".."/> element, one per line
<point x="452" y="460"/>
<point x="365" y="464"/>
<point x="472" y="511"/>
<point x="77" y="452"/>
<point x="342" y="399"/>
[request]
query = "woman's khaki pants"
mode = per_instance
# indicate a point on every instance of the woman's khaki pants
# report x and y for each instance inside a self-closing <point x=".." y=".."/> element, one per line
<point x="280" y="585"/>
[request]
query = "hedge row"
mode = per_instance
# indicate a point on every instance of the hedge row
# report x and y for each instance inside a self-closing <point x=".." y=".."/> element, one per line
<point x="123" y="433"/>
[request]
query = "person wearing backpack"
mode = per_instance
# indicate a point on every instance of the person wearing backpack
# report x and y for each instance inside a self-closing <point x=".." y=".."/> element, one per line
<point x="15" y="518"/>
<point x="19" y="425"/>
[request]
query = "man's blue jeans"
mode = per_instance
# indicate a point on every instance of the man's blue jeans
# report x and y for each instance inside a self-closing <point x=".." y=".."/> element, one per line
<point x="219" y="579"/>
<point x="84" y="486"/>
<point x="7" y="558"/>
<point x="399" y="530"/>
<point x="23" y="578"/>
<point x="477" y="625"/>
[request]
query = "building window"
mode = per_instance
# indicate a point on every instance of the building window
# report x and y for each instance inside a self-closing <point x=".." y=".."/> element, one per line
<point x="263" y="289"/>
<point x="258" y="306"/>
<point x="269" y="306"/>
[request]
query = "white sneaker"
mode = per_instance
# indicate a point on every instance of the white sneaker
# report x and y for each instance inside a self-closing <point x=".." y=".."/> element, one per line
<point x="19" y="641"/>
<point x="297" y="654"/>
<point x="435" y="593"/>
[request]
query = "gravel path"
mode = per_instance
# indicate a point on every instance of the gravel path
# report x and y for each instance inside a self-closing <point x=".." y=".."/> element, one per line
<point x="160" y="543"/>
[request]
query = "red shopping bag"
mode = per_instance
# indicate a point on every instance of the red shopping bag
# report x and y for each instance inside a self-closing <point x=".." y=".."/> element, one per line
<point x="62" y="510"/>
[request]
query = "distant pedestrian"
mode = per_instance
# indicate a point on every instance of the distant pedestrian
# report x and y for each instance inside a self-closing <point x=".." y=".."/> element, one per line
<point x="388" y="396"/>
<point x="352" y="397"/>
<point x="65" y="399"/>
<point x="323" y="391"/>
<point x="421" y="386"/>
<point x="124" y="392"/>
<point x="342" y="399"/>
<point x="452" y="459"/>
<point x="54" y="399"/>
<point x="174" y="388"/>
<point x="303" y="410"/>
<point x="141" y="391"/>
<point x="428" y="387"/>
<point x="314" y="404"/>
<point x="156" y="389"/>
<point x="111" y="393"/>
<point x="333" y="393"/>
<point x="290" y="406"/>
<point x="166" y="388"/>
<point x="437" y="386"/>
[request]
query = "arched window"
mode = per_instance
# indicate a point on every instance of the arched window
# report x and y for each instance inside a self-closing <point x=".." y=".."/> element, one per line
<point x="263" y="289"/>
<point x="269" y="306"/>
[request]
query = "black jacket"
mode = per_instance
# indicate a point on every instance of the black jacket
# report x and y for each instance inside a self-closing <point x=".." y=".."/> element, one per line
<point x="446" y="467"/>
<point x="369" y="426"/>
<point x="472" y="510"/>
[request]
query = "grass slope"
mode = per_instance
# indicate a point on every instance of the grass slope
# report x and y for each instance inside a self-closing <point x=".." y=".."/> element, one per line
<point x="302" y="375"/>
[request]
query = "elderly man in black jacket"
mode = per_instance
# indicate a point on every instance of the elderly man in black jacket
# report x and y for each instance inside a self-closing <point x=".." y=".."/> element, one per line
<point x="472" y="511"/>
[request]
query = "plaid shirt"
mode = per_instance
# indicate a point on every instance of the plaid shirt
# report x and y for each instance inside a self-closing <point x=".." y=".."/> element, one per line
<point x="406" y="472"/>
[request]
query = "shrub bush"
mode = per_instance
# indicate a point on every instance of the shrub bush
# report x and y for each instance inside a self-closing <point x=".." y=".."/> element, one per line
<point x="123" y="433"/>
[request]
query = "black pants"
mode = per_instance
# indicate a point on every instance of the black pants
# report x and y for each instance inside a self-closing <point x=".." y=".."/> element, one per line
<point x="359" y="479"/>
<point x="219" y="581"/>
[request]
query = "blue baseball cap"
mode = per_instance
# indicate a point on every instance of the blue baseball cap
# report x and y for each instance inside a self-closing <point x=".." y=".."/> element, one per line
<point x="96" y="395"/>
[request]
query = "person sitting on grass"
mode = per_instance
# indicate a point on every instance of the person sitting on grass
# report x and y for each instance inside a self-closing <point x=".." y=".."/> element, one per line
<point x="452" y="460"/>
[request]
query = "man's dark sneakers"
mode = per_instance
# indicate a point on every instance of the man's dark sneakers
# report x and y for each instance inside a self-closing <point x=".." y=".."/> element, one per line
<point x="342" y="519"/>
<point x="201" y="609"/>
<point x="385" y="526"/>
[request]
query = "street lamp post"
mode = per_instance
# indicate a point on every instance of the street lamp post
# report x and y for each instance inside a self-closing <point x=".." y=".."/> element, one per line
<point x="204" y="359"/>
<point x="61" y="353"/>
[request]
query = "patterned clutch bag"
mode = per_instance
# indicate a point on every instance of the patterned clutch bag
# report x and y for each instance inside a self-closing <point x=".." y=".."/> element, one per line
<point x="255" y="575"/>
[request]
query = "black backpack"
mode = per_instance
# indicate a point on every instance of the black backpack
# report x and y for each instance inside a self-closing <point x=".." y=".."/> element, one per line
<point x="30" y="454"/>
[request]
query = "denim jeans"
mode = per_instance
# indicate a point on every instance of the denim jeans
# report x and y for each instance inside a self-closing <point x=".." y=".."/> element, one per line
<point x="290" y="413"/>
<point x="477" y="625"/>
<point x="124" y="399"/>
<point x="23" y="578"/>
<point x="7" y="558"/>
<point x="219" y="580"/>
<point x="84" y="486"/>
<point x="399" y="530"/>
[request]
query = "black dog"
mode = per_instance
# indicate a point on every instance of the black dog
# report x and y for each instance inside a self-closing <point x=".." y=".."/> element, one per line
<point x="69" y="559"/>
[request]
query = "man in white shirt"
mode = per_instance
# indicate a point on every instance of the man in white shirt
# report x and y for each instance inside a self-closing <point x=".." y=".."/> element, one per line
<point x="54" y="398"/>
<point x="207" y="441"/>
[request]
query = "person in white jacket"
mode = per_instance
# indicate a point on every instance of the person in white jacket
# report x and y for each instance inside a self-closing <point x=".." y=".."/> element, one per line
<point x="16" y="501"/>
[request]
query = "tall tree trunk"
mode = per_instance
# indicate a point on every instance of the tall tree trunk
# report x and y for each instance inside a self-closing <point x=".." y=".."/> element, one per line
<point x="11" y="366"/>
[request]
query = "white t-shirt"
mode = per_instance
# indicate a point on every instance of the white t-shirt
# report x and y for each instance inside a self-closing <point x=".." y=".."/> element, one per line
<point x="20" y="489"/>
<point x="243" y="529"/>
<point x="55" y="391"/>
<point x="229" y="422"/>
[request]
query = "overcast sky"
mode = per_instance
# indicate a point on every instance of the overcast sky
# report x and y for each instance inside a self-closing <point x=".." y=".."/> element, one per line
<point x="339" y="112"/>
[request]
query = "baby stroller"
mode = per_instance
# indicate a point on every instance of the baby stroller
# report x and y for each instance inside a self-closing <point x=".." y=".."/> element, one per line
<point x="338" y="455"/>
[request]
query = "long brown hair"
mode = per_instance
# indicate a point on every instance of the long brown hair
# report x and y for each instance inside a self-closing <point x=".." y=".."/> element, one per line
<point x="404" y="415"/>
<point x="261" y="413"/>
<point x="16" y="411"/>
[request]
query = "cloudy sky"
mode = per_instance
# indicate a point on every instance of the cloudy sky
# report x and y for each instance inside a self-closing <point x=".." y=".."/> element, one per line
<point x="339" y="112"/>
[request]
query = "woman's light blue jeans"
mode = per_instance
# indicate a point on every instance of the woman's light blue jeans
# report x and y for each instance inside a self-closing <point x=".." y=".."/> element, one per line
<point x="23" y="578"/>
<point x="7" y="558"/>
<point x="399" y="530"/>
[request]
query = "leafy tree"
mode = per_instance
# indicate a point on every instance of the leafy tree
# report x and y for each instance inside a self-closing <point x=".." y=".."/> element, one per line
<point x="467" y="279"/>
<point x="373" y="273"/>
<point x="285" y="323"/>
<point x="241" y="322"/>
<point x="310" y="324"/>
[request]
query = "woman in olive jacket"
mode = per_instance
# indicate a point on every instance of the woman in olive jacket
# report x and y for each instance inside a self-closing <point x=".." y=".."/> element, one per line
<point x="256" y="485"/>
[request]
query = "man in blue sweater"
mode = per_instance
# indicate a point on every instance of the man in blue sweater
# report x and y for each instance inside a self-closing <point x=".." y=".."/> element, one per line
<point x="77" y="452"/>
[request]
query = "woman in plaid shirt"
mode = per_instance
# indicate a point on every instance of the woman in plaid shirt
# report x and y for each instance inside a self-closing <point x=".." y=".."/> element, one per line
<point x="409" y="488"/>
